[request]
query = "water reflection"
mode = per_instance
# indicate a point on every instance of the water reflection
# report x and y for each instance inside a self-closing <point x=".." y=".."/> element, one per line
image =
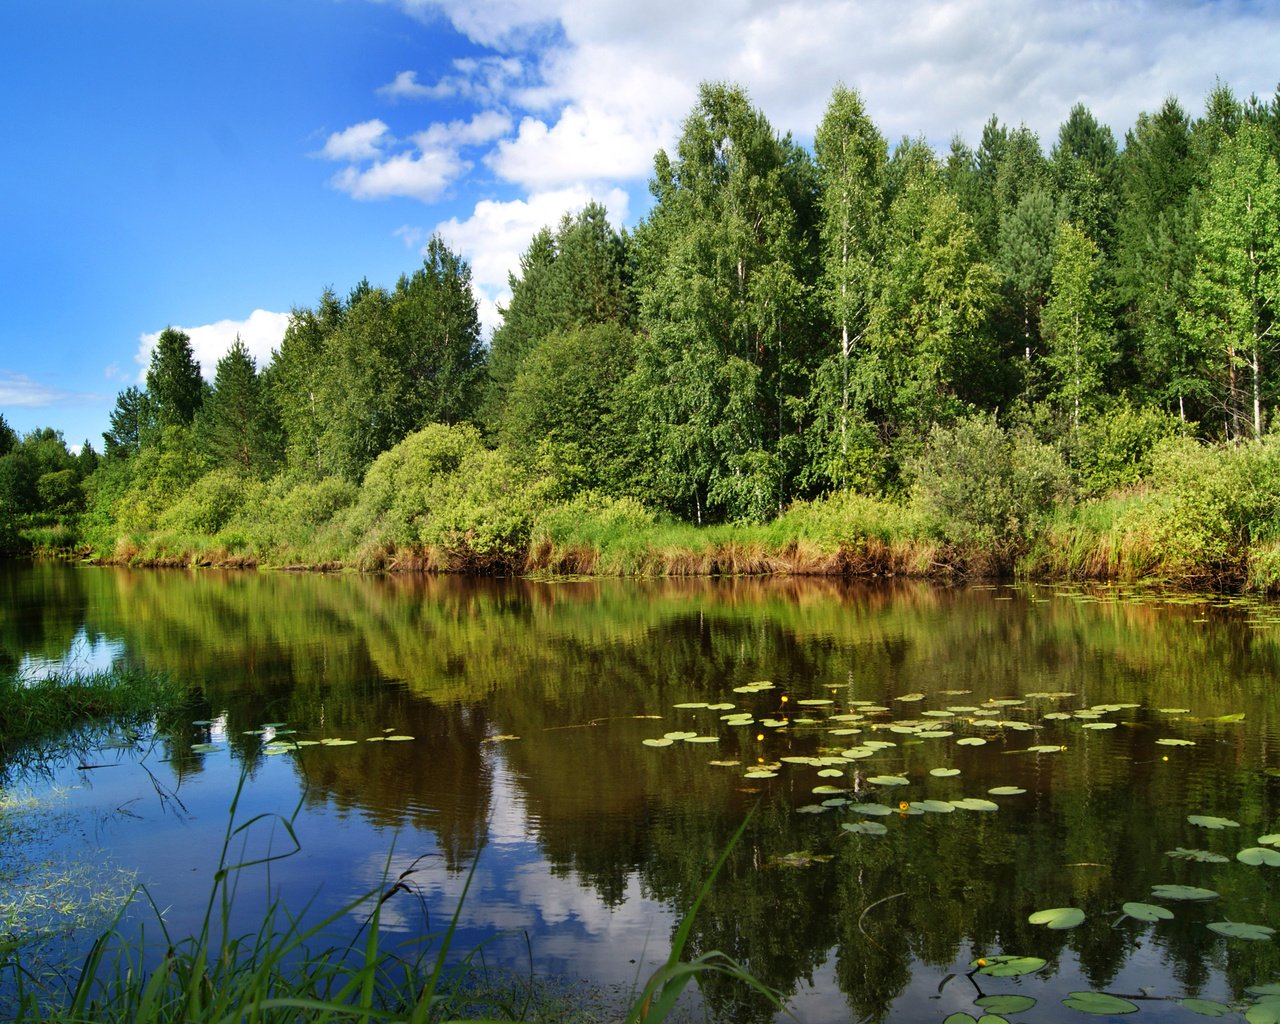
<point x="528" y="703"/>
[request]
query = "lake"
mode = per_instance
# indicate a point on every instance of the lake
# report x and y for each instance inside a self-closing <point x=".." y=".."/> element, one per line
<point x="924" y="768"/>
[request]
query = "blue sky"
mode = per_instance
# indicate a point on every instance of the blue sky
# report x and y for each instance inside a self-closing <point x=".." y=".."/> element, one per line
<point x="212" y="165"/>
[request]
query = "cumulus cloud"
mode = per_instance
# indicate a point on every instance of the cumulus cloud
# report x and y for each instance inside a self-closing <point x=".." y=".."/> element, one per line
<point x="481" y="79"/>
<point x="496" y="233"/>
<point x="17" y="390"/>
<point x="362" y="141"/>
<point x="483" y="127"/>
<point x="261" y="331"/>
<point x="422" y="175"/>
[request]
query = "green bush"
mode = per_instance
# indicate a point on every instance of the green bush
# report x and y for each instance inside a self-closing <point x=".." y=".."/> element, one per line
<point x="976" y="485"/>
<point x="1114" y="450"/>
<point x="208" y="505"/>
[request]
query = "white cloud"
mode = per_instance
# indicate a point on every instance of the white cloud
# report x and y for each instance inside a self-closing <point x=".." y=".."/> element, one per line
<point x="483" y="127"/>
<point x="262" y="331"/>
<point x="20" y="391"/>
<point x="496" y="233"/>
<point x="480" y="79"/>
<point x="422" y="176"/>
<point x="362" y="141"/>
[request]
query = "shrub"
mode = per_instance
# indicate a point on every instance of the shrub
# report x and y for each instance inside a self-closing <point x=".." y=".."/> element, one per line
<point x="208" y="504"/>
<point x="1114" y="450"/>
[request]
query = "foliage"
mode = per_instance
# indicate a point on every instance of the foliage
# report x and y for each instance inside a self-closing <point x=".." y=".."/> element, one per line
<point x="174" y="384"/>
<point x="208" y="504"/>
<point x="1112" y="451"/>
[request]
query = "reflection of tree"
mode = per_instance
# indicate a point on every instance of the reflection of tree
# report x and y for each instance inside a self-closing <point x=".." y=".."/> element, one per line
<point x="567" y="668"/>
<point x="44" y="606"/>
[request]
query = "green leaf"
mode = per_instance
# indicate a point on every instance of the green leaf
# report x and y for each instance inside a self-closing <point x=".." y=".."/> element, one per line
<point x="1257" y="855"/>
<point x="1147" y="912"/>
<point x="1200" y="856"/>
<point x="1205" y="1007"/>
<point x="1005" y="1003"/>
<point x="865" y="828"/>
<point x="1006" y="966"/>
<point x="975" y="803"/>
<point x="1099" y="1003"/>
<point x="878" y="810"/>
<point x="1007" y="791"/>
<point x="1183" y="892"/>
<point x="944" y="773"/>
<point x="890" y="780"/>
<point x="1209" y="821"/>
<point x="1237" y="930"/>
<point x="1263" y="1013"/>
<point x="1271" y="840"/>
<point x="1058" y="918"/>
<point x="933" y="806"/>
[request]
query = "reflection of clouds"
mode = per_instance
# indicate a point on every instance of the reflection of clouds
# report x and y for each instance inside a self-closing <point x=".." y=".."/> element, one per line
<point x="85" y="653"/>
<point x="513" y="893"/>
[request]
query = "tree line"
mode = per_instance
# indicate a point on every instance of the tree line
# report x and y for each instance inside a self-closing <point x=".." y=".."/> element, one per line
<point x="783" y="324"/>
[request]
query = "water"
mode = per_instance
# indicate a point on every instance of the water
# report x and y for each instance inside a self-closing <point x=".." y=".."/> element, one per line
<point x="528" y="704"/>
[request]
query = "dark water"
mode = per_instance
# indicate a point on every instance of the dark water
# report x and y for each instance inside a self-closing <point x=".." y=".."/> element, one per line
<point x="528" y="704"/>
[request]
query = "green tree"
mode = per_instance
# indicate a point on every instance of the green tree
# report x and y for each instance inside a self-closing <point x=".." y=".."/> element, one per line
<point x="568" y="403"/>
<point x="437" y="351"/>
<point x="851" y="156"/>
<point x="132" y="421"/>
<point x="724" y="267"/>
<point x="1078" y="328"/>
<point x="1235" y="289"/>
<point x="173" y="380"/>
<point x="1025" y="259"/>
<point x="1085" y="168"/>
<point x="234" y="423"/>
<point x="8" y="436"/>
<point x="293" y="381"/>
<point x="1155" y="258"/>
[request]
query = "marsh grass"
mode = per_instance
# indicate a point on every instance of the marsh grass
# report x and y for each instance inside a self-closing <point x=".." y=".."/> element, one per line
<point x="35" y="711"/>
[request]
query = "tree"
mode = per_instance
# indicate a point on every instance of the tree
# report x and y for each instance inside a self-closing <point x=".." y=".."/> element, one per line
<point x="724" y="268"/>
<point x="1025" y="259"/>
<point x="8" y="437"/>
<point x="173" y="380"/>
<point x="1235" y="289"/>
<point x="132" y="420"/>
<point x="851" y="156"/>
<point x="1086" y="175"/>
<point x="293" y="379"/>
<point x="440" y="360"/>
<point x="1078" y="329"/>
<point x="233" y="425"/>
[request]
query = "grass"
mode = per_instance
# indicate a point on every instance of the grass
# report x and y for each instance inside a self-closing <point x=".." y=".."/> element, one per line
<point x="32" y="711"/>
<point x="287" y="971"/>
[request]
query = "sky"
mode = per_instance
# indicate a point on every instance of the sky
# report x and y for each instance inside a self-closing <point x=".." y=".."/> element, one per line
<point x="213" y="165"/>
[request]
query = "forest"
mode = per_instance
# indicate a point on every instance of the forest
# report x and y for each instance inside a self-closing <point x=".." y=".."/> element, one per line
<point x="1044" y="356"/>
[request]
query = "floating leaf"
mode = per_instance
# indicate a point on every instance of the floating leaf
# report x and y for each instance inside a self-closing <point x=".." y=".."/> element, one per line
<point x="1265" y="1012"/>
<point x="937" y="714"/>
<point x="1209" y="821"/>
<point x="718" y="707"/>
<point x="691" y="704"/>
<point x="760" y="773"/>
<point x="815" y="702"/>
<point x="1058" y="918"/>
<point x="932" y="806"/>
<point x="857" y="753"/>
<point x="971" y="741"/>
<point x="1098" y="725"/>
<point x="1169" y="741"/>
<point x="1257" y="855"/>
<point x="206" y="748"/>
<point x="1199" y="856"/>
<point x="398" y="739"/>
<point x="687" y="739"/>
<point x="338" y="743"/>
<point x="663" y="742"/>
<point x="724" y="764"/>
<point x="1005" y="1003"/>
<point x="1236" y="930"/>
<point x="910" y="697"/>
<point x="835" y="801"/>
<point x="1205" y="1007"/>
<point x="1056" y="716"/>
<point x="929" y="733"/>
<point x="876" y="810"/>
<point x="1271" y="840"/>
<point x="1007" y="791"/>
<point x="830" y="773"/>
<point x="679" y="735"/>
<point x="1006" y="966"/>
<point x="812" y="809"/>
<point x="798" y="859"/>
<point x="1147" y="912"/>
<point x="202" y="721"/>
<point x="975" y="803"/>
<point x="1099" y="1003"/>
<point x="944" y="773"/>
<point x="1174" y="711"/>
<point x="1237" y="717"/>
<point x="1183" y="892"/>
<point x="1045" y="748"/>
<point x="865" y="828"/>
<point x="892" y="780"/>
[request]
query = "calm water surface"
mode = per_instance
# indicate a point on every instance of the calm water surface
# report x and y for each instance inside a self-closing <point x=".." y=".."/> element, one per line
<point x="529" y="703"/>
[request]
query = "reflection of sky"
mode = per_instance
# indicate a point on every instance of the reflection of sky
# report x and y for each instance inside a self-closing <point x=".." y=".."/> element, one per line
<point x="85" y="654"/>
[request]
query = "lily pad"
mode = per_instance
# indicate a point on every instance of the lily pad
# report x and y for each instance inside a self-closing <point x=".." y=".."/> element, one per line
<point x="687" y="739"/>
<point x="1098" y="725"/>
<point x="971" y="741"/>
<point x="1265" y="1012"/>
<point x="875" y="810"/>
<point x="679" y="735"/>
<point x="830" y="773"/>
<point x="1209" y="821"/>
<point x="760" y="773"/>
<point x="1183" y="892"/>
<point x="338" y="743"/>
<point x="1099" y="1003"/>
<point x="398" y="739"/>
<point x="1006" y="791"/>
<point x="910" y="697"/>
<point x="1046" y="748"/>
<point x="1003" y="1004"/>
<point x="1238" y="930"/>
<point x="1170" y="741"/>
<point x="1006" y="966"/>
<point x="206" y="748"/>
<point x="1199" y="856"/>
<point x="663" y="742"/>
<point x="865" y="828"/>
<point x="1058" y="918"/>
<point x="1147" y="912"/>
<point x="812" y="809"/>
<point x="944" y="773"/>
<point x="890" y="780"/>
<point x="1257" y="855"/>
<point x="932" y="806"/>
<point x="1271" y="840"/>
<point x="691" y="704"/>
<point x="975" y="803"/>
<point x="1205" y="1007"/>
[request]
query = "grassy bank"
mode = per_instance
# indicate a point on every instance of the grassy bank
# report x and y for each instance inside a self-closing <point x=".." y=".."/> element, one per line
<point x="1125" y="502"/>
